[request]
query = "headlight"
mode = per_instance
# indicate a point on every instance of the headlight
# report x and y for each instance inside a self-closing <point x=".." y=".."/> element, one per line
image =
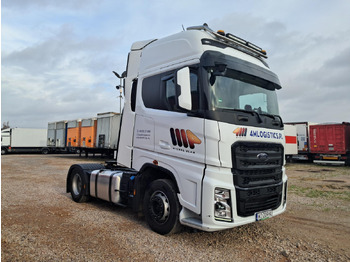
<point x="222" y="204"/>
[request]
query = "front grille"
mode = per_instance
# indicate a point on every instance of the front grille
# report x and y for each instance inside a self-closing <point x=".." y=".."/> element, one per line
<point x="258" y="180"/>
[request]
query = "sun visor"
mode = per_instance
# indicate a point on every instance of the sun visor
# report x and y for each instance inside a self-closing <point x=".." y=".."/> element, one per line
<point x="213" y="58"/>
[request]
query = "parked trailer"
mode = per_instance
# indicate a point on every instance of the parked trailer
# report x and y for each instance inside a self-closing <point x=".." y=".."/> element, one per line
<point x="73" y="135"/>
<point x="91" y="135"/>
<point x="57" y="136"/>
<point x="88" y="133"/>
<point x="61" y="134"/>
<point x="88" y="138"/>
<point x="23" y="140"/>
<point x="107" y="130"/>
<point x="330" y="143"/>
<point x="107" y="133"/>
<point x="51" y="135"/>
<point x="201" y="141"/>
<point x="303" y="140"/>
<point x="291" y="147"/>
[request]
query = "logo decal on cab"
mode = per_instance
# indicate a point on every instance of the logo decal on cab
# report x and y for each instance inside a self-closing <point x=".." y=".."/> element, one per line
<point x="240" y="131"/>
<point x="180" y="138"/>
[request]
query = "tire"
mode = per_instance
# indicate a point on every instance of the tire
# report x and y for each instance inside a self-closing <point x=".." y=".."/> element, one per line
<point x="3" y="151"/>
<point x="45" y="151"/>
<point x="347" y="161"/>
<point x="161" y="207"/>
<point x="79" y="185"/>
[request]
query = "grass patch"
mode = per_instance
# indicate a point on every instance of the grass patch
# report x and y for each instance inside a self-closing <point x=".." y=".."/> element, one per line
<point x="315" y="193"/>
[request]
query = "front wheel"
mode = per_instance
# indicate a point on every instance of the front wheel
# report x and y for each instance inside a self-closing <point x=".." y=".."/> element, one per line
<point x="79" y="186"/>
<point x="161" y="207"/>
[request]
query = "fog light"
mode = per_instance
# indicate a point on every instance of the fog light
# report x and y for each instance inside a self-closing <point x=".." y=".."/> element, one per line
<point x="222" y="204"/>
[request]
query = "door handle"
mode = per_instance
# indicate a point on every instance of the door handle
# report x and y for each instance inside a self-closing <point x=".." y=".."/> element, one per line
<point x="164" y="145"/>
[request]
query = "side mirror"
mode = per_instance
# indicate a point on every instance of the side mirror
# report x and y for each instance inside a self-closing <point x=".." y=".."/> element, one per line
<point x="184" y="83"/>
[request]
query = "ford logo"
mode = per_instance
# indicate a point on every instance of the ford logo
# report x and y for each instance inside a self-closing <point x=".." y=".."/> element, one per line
<point x="262" y="156"/>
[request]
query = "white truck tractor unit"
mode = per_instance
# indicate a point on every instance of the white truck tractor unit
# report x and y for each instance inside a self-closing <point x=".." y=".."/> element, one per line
<point x="201" y="142"/>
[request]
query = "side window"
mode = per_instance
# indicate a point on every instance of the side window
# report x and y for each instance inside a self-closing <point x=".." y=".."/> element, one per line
<point x="168" y="83"/>
<point x="194" y="90"/>
<point x="159" y="91"/>
<point x="133" y="94"/>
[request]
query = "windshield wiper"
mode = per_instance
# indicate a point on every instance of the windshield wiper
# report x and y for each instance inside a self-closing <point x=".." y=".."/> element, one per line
<point x="274" y="118"/>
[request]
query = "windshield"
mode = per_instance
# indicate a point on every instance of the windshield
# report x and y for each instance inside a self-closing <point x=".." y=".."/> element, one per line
<point x="233" y="90"/>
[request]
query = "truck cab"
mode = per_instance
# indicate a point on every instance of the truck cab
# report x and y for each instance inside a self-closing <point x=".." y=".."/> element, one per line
<point x="201" y="114"/>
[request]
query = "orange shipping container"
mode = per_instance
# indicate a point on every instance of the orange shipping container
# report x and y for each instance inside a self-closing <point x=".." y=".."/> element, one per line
<point x="88" y="132"/>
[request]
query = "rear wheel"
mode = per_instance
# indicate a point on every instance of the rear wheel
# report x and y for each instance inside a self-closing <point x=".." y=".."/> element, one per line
<point x="161" y="207"/>
<point x="347" y="161"/>
<point x="45" y="151"/>
<point x="3" y="151"/>
<point x="79" y="186"/>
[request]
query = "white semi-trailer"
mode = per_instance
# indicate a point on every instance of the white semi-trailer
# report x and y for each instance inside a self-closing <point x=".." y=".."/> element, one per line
<point x="303" y="140"/>
<point x="23" y="140"/>
<point x="201" y="141"/>
<point x="291" y="146"/>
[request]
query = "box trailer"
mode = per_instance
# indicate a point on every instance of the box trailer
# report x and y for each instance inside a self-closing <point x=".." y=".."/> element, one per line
<point x="51" y="134"/>
<point x="88" y="132"/>
<point x="330" y="143"/>
<point x="91" y="135"/>
<point x="73" y="134"/>
<point x="303" y="140"/>
<point x="61" y="134"/>
<point x="107" y="130"/>
<point x="57" y="136"/>
<point x="291" y="148"/>
<point x="20" y="140"/>
<point x="100" y="135"/>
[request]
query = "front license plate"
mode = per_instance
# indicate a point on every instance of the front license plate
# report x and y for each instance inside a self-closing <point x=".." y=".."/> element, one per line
<point x="259" y="216"/>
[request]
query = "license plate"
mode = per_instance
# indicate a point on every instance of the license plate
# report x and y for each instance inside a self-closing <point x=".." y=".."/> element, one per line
<point x="259" y="216"/>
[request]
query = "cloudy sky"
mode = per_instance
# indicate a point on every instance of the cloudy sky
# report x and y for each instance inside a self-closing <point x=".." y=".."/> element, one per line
<point x="57" y="57"/>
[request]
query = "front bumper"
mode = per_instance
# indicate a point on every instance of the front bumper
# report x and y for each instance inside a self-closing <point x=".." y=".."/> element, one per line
<point x="216" y="177"/>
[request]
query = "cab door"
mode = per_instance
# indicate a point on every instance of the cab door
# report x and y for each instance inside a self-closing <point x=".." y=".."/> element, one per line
<point x="177" y="133"/>
<point x="178" y="137"/>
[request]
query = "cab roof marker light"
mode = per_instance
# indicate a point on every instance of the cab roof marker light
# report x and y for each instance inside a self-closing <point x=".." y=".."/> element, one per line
<point x="221" y="32"/>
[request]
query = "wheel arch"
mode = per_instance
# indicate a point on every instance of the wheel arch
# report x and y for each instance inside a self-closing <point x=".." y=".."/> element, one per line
<point x="148" y="173"/>
<point x="151" y="172"/>
<point x="86" y="168"/>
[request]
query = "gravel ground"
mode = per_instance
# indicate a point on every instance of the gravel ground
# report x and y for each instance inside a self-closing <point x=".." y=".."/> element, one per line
<point x="40" y="222"/>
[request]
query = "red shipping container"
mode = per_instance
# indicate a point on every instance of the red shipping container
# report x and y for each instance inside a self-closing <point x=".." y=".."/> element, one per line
<point x="330" y="138"/>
